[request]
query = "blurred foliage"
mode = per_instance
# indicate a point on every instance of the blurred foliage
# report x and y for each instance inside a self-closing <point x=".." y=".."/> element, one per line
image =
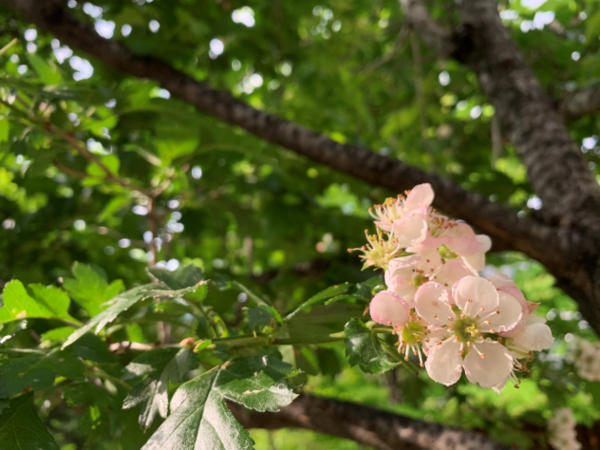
<point x="241" y="209"/>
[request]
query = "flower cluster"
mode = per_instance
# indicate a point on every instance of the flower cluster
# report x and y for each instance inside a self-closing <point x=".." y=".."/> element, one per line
<point x="440" y="308"/>
<point x="586" y="356"/>
<point x="561" y="430"/>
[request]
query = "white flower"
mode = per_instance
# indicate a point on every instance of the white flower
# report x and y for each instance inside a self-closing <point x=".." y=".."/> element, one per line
<point x="561" y="430"/>
<point x="587" y="360"/>
<point x="479" y="308"/>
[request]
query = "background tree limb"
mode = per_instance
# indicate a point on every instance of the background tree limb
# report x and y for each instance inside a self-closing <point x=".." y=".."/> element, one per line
<point x="369" y="426"/>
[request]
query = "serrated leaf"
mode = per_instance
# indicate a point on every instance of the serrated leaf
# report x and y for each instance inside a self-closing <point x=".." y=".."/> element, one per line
<point x="38" y="371"/>
<point x="364" y="348"/>
<point x="90" y="289"/>
<point x="118" y="305"/>
<point x="22" y="429"/>
<point x="183" y="277"/>
<point x="52" y="299"/>
<point x="159" y="367"/>
<point x="331" y="291"/>
<point x="47" y="302"/>
<point x="201" y="420"/>
<point x="123" y="302"/>
<point x="257" y="383"/>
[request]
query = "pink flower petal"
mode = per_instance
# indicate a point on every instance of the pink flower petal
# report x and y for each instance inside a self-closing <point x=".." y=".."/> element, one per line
<point x="409" y="231"/>
<point x="421" y="195"/>
<point x="481" y="293"/>
<point x="387" y="308"/>
<point x="491" y="370"/>
<point x="444" y="363"/>
<point x="509" y="315"/>
<point x="431" y="303"/>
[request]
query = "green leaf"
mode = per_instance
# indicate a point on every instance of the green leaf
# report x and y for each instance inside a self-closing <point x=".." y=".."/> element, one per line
<point x="262" y="316"/>
<point x="201" y="419"/>
<point x="332" y="291"/>
<point x="181" y="278"/>
<point x="159" y="367"/>
<point x="119" y="304"/>
<point x="90" y="289"/>
<point x="52" y="299"/>
<point x="57" y="334"/>
<point x="17" y="303"/>
<point x="47" y="302"/>
<point x="124" y="301"/>
<point x="47" y="70"/>
<point x="22" y="429"/>
<point x="364" y="348"/>
<point x="38" y="371"/>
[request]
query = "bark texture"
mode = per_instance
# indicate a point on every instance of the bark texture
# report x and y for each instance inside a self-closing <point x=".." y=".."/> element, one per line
<point x="581" y="103"/>
<point x="369" y="426"/>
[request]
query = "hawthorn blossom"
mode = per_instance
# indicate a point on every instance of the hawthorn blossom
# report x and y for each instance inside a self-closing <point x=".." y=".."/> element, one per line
<point x="561" y="430"/>
<point x="438" y="305"/>
<point x="479" y="309"/>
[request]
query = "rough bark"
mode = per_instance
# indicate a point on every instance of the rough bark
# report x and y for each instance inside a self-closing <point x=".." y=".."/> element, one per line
<point x="581" y="103"/>
<point x="379" y="429"/>
<point x="556" y="168"/>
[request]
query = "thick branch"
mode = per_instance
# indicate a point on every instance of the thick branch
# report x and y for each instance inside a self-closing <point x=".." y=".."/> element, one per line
<point x="556" y="168"/>
<point x="581" y="103"/>
<point x="502" y="225"/>
<point x="435" y="36"/>
<point x="369" y="426"/>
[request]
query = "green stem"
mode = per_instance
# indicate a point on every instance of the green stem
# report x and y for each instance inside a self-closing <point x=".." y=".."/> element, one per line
<point x="4" y="49"/>
<point x="382" y="330"/>
<point x="73" y="322"/>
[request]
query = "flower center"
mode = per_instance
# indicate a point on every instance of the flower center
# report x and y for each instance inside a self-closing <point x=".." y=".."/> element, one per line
<point x="446" y="253"/>
<point x="466" y="329"/>
<point x="412" y="333"/>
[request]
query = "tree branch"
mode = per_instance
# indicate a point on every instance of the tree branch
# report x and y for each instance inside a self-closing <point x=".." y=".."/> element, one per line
<point x="501" y="224"/>
<point x="379" y="429"/>
<point x="580" y="103"/>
